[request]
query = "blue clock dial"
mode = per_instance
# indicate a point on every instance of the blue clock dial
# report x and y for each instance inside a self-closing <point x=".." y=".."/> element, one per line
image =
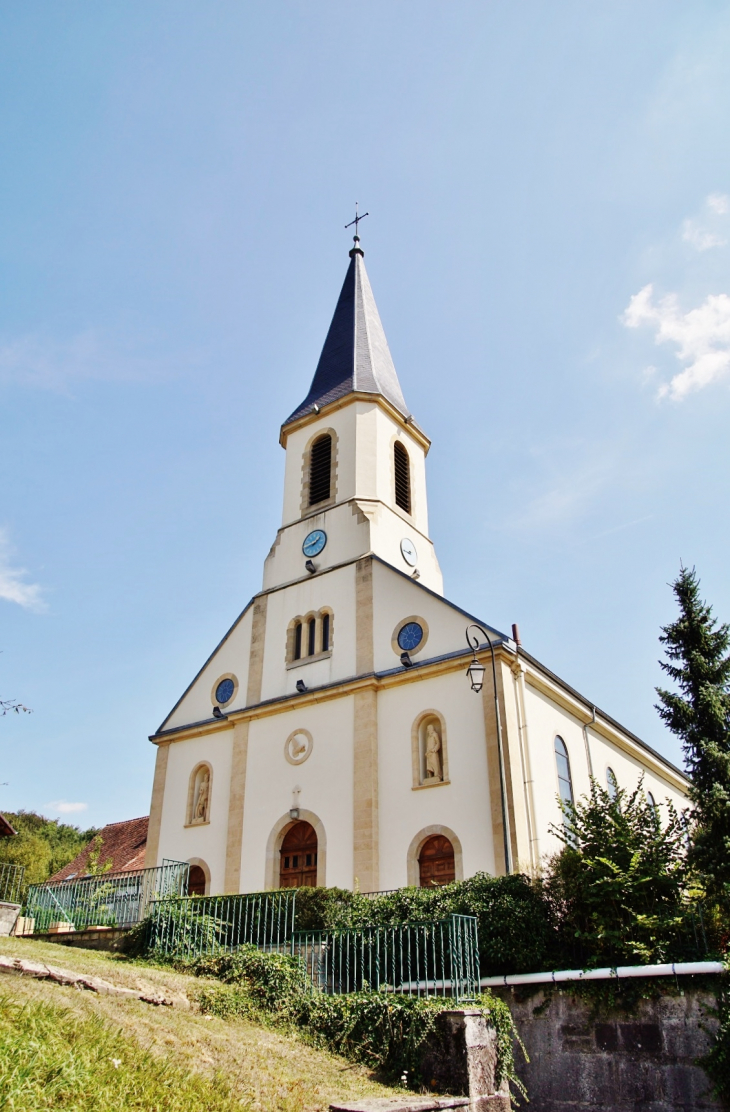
<point x="314" y="543"/>
<point x="224" y="691"/>
<point x="410" y="637"/>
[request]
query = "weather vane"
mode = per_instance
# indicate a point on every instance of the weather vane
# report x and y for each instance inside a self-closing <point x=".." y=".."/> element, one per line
<point x="356" y="221"/>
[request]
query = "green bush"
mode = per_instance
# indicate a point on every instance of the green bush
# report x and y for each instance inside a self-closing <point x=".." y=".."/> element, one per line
<point x="515" y="916"/>
<point x="620" y="885"/>
<point x="380" y="1029"/>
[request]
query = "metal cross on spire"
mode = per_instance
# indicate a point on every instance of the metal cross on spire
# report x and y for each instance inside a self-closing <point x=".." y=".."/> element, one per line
<point x="356" y="221"/>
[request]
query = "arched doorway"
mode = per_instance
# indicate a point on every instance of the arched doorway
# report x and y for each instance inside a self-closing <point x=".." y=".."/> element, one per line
<point x="196" y="881"/>
<point x="298" y="857"/>
<point x="436" y="862"/>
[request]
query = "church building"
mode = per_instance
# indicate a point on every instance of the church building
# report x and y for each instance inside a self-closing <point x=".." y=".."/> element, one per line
<point x="343" y="732"/>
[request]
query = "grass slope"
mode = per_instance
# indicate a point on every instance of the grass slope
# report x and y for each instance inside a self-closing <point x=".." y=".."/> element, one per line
<point x="62" y="1047"/>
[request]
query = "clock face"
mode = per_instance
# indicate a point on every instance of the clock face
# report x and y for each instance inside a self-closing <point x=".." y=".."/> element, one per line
<point x="408" y="552"/>
<point x="314" y="543"/>
<point x="410" y="637"/>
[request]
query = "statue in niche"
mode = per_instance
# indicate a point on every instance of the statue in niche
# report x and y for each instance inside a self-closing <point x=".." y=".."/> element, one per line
<point x="200" y="811"/>
<point x="433" y="753"/>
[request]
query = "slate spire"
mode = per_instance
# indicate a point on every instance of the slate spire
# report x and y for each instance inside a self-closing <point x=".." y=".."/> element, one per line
<point x="355" y="356"/>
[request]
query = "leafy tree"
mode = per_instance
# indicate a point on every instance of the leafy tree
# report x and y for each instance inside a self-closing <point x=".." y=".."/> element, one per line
<point x="618" y="884"/>
<point x="42" y="845"/>
<point x="699" y="713"/>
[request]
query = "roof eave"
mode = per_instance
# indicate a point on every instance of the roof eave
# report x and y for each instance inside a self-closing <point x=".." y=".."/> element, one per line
<point x="408" y="422"/>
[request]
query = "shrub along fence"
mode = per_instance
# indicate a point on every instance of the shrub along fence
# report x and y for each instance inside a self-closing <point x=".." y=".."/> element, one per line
<point x="438" y="958"/>
<point x="195" y="926"/>
<point x="11" y="882"/>
<point x="108" y="900"/>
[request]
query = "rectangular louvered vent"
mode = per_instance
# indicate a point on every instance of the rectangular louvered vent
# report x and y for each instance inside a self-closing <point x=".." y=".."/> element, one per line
<point x="320" y="467"/>
<point x="402" y="478"/>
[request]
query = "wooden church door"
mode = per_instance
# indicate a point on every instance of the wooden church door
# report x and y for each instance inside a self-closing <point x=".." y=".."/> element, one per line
<point x="298" y="865"/>
<point x="436" y="862"/>
<point x="196" y="881"/>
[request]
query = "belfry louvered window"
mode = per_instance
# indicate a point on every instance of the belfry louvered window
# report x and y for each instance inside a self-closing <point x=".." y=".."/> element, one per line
<point x="320" y="469"/>
<point x="402" y="477"/>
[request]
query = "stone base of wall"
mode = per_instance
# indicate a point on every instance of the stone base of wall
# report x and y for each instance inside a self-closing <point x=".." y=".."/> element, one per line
<point x="95" y="938"/>
<point x="645" y="1060"/>
<point x="8" y="914"/>
<point x="460" y="1057"/>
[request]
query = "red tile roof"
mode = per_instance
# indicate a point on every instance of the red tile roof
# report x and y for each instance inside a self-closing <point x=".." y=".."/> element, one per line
<point x="5" y="827"/>
<point x="122" y="843"/>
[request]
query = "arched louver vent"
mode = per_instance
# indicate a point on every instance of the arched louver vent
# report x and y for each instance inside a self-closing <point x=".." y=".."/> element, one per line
<point x="320" y="467"/>
<point x="402" y="478"/>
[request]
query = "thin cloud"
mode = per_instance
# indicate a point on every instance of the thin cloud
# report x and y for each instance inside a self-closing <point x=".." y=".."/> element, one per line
<point x="50" y="364"/>
<point x="13" y="585"/>
<point x="699" y="237"/>
<point x="65" y="808"/>
<point x="702" y="337"/>
<point x="698" y="234"/>
<point x="719" y="203"/>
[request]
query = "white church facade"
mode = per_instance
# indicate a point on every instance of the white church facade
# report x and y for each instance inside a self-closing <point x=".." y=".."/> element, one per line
<point x="333" y="736"/>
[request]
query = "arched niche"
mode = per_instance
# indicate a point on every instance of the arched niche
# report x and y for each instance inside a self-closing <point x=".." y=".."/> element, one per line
<point x="276" y="837"/>
<point x="414" y="852"/>
<point x="200" y="790"/>
<point x="429" y="750"/>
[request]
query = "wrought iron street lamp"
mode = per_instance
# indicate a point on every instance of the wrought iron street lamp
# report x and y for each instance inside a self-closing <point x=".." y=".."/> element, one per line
<point x="475" y="672"/>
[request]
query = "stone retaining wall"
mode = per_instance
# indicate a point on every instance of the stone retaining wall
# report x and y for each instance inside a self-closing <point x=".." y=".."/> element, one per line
<point x="624" y="1062"/>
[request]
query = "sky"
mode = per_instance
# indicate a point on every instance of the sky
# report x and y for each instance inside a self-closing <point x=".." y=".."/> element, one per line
<point x="549" y="246"/>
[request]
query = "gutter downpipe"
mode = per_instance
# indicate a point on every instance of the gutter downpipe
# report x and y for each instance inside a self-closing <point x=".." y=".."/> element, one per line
<point x="518" y="674"/>
<point x="585" y="739"/>
<point x="670" y="969"/>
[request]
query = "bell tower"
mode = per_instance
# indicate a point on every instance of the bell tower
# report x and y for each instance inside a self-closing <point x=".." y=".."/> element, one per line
<point x="355" y="480"/>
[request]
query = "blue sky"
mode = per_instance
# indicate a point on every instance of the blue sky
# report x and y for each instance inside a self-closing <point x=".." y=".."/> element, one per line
<point x="549" y="189"/>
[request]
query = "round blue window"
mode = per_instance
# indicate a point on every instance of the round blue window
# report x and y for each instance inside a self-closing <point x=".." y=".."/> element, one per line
<point x="410" y="636"/>
<point x="224" y="691"/>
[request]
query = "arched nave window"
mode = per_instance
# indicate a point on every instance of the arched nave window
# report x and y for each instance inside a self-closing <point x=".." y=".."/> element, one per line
<point x="565" y="782"/>
<point x="320" y="470"/>
<point x="402" y="466"/>
<point x="611" y="783"/>
<point x="651" y="800"/>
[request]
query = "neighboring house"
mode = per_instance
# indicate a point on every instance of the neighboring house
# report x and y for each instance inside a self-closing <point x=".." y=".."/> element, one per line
<point x="122" y="844"/>
<point x="6" y="829"/>
<point x="333" y="736"/>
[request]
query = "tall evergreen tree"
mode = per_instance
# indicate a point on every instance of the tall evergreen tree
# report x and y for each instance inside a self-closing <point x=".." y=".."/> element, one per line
<point x="698" y="662"/>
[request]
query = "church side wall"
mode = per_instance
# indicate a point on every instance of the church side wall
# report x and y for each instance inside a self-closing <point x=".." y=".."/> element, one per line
<point x="462" y="805"/>
<point x="545" y="721"/>
<point x="206" y="841"/>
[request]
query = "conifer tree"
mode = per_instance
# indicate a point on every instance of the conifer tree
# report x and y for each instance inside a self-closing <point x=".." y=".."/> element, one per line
<point x="698" y="662"/>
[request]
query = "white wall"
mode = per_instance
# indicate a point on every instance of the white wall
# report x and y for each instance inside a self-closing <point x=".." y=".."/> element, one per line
<point x="325" y="780"/>
<point x="462" y="805"/>
<point x="207" y="842"/>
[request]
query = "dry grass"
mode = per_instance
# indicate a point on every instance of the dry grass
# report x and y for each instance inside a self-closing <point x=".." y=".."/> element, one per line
<point x="265" y="1070"/>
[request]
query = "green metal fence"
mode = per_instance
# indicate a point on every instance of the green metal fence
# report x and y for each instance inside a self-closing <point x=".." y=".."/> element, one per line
<point x="440" y="958"/>
<point x="198" y="925"/>
<point x="109" y="900"/>
<point x="11" y="882"/>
